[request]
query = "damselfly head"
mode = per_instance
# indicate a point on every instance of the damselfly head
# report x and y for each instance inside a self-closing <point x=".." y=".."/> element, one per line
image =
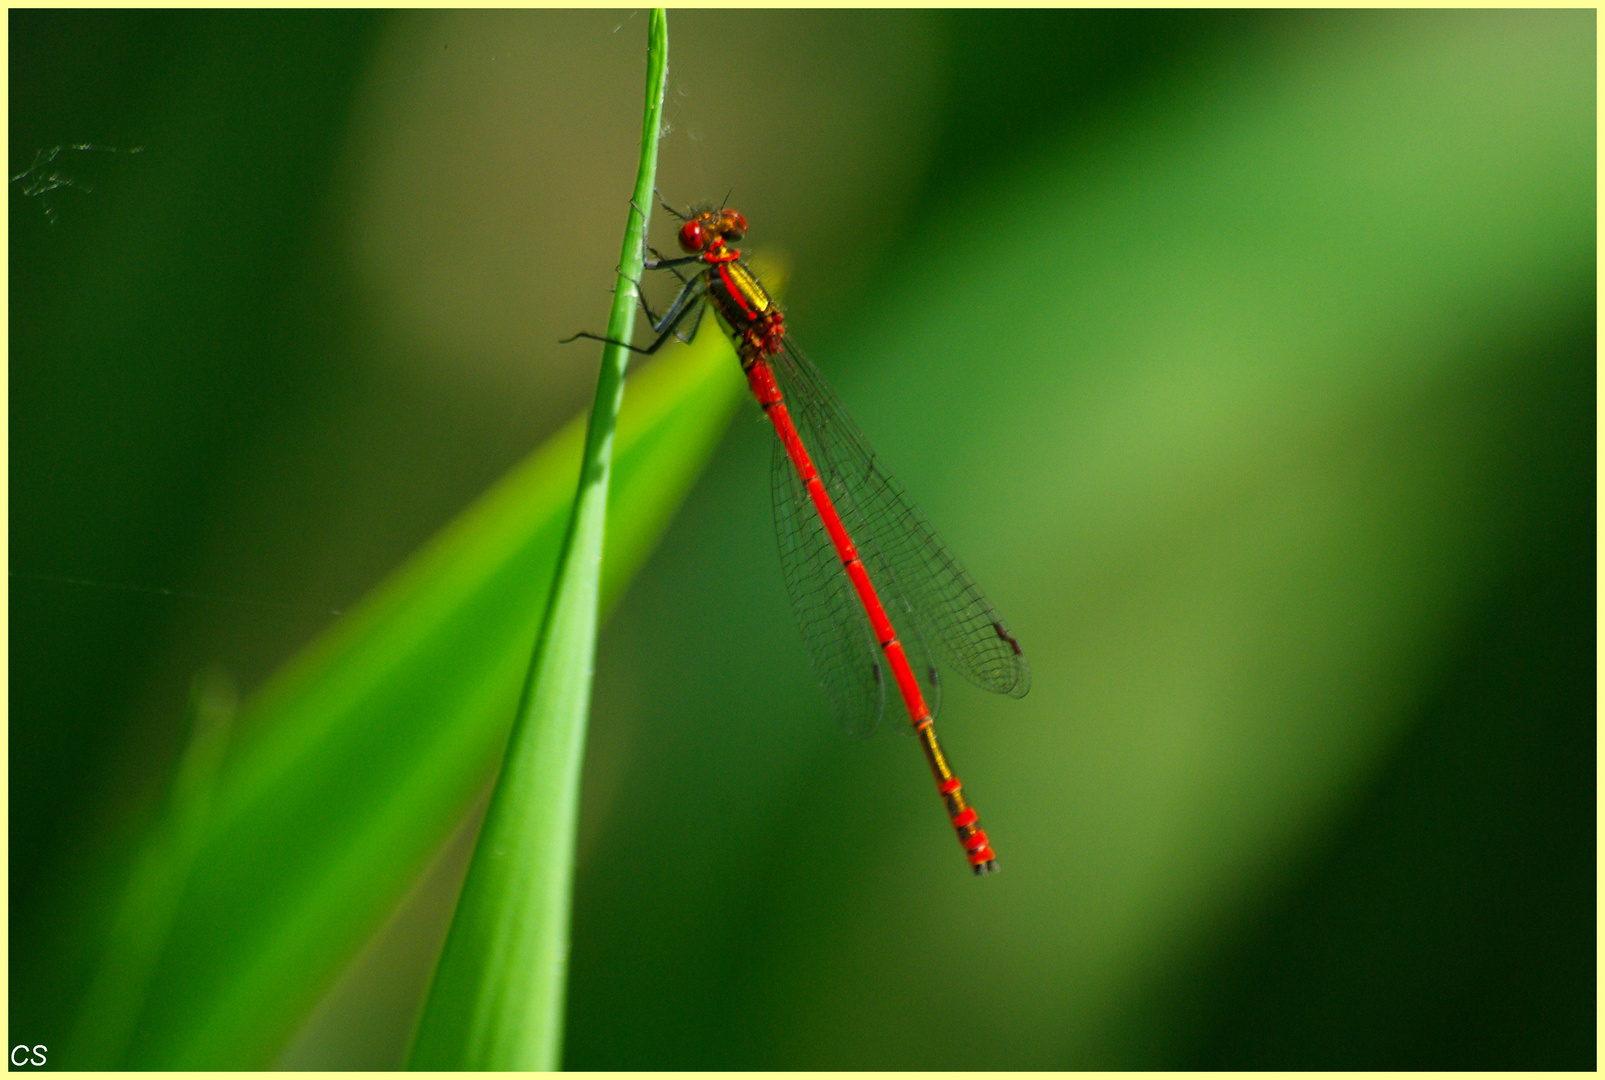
<point x="693" y="237"/>
<point x="732" y="225"/>
<point x="711" y="229"/>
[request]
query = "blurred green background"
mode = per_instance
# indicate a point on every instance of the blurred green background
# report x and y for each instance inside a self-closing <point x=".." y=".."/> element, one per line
<point x="1247" y="359"/>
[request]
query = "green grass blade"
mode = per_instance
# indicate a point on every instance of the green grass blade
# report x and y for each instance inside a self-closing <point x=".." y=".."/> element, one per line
<point x="117" y="992"/>
<point x="497" y="998"/>
<point x="358" y="759"/>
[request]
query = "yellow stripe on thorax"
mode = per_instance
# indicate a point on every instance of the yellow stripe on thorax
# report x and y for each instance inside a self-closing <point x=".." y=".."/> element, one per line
<point x="751" y="291"/>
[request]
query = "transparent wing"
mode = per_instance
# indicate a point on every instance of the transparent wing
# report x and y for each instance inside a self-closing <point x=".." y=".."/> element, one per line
<point x="917" y="576"/>
<point x="841" y="646"/>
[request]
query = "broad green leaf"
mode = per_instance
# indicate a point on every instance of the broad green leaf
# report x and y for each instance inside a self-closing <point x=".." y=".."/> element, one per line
<point x="358" y="758"/>
<point x="109" y="1015"/>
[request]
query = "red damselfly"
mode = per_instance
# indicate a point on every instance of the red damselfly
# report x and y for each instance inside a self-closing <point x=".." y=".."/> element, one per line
<point x="857" y="553"/>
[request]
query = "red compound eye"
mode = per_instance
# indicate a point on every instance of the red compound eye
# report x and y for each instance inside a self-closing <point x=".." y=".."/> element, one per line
<point x="692" y="237"/>
<point x="732" y="224"/>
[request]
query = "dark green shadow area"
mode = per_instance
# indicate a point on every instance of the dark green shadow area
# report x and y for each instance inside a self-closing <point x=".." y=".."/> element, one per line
<point x="1447" y="921"/>
<point x="168" y="319"/>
